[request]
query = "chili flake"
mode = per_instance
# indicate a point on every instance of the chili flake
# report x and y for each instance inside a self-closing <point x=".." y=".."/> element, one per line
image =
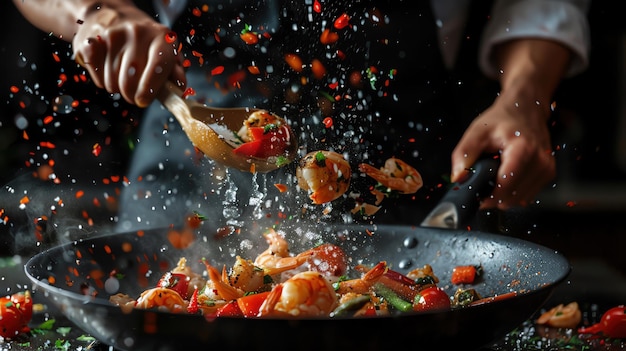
<point x="342" y="21"/>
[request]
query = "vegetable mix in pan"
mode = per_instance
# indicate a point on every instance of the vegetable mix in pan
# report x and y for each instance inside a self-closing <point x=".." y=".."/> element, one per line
<point x="318" y="282"/>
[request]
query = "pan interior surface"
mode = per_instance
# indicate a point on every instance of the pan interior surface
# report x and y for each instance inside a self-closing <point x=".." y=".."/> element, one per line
<point x="79" y="277"/>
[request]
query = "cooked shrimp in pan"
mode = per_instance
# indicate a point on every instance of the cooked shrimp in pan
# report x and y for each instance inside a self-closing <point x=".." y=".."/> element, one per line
<point x="163" y="298"/>
<point x="276" y="259"/>
<point x="364" y="284"/>
<point x="395" y="175"/>
<point x="324" y="174"/>
<point x="305" y="294"/>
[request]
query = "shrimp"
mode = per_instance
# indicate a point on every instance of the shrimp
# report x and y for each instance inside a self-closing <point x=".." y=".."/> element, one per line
<point x="259" y="118"/>
<point x="365" y="283"/>
<point x="562" y="316"/>
<point x="324" y="174"/>
<point x="245" y="275"/>
<point x="303" y="295"/>
<point x="162" y="298"/>
<point x="218" y="287"/>
<point x="276" y="259"/>
<point x="395" y="175"/>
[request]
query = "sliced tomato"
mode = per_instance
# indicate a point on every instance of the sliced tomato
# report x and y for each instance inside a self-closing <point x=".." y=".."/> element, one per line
<point x="250" y="305"/>
<point x="178" y="282"/>
<point x="230" y="309"/>
<point x="264" y="143"/>
<point x="328" y="259"/>
<point x="431" y="298"/>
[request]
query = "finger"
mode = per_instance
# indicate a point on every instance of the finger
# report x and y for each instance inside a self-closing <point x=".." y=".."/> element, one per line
<point x="113" y="61"/>
<point x="158" y="70"/>
<point x="132" y="68"/>
<point x="90" y="55"/>
<point x="472" y="145"/>
<point x="513" y="162"/>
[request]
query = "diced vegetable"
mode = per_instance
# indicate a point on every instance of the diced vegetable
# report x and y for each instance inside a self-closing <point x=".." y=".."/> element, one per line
<point x="231" y="309"/>
<point x="266" y="142"/>
<point x="175" y="281"/>
<point x="464" y="274"/>
<point x="394" y="300"/>
<point x="15" y="314"/>
<point x="351" y="305"/>
<point x="431" y="298"/>
<point x="250" y="305"/>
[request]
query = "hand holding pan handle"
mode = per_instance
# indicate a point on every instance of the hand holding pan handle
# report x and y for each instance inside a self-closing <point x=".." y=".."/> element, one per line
<point x="462" y="200"/>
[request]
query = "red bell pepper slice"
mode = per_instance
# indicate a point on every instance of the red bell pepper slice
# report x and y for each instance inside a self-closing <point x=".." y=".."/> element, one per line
<point x="231" y="309"/>
<point x="175" y="281"/>
<point x="251" y="304"/>
<point x="265" y="143"/>
<point x="247" y="306"/>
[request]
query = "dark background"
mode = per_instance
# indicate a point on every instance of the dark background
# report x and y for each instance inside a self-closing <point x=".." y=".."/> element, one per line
<point x="581" y="215"/>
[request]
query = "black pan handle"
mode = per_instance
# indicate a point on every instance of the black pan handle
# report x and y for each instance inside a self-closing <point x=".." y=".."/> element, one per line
<point x="462" y="200"/>
<point x="467" y="193"/>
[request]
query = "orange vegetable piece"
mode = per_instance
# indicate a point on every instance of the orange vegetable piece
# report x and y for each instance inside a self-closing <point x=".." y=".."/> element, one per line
<point x="463" y="275"/>
<point x="249" y="38"/>
<point x="328" y="37"/>
<point x="294" y="61"/>
<point x="319" y="71"/>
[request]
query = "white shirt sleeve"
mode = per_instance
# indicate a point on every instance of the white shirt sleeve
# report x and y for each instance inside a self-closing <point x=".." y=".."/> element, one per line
<point x="564" y="21"/>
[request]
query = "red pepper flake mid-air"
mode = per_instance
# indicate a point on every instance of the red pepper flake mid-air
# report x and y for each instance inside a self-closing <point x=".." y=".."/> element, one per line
<point x="170" y="37"/>
<point x="317" y="7"/>
<point x="217" y="70"/>
<point x="188" y="92"/>
<point x="328" y="122"/>
<point x="97" y="149"/>
<point x="342" y="21"/>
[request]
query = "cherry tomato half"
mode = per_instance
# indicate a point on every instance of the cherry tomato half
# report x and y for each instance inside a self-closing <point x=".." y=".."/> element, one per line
<point x="431" y="298"/>
<point x="15" y="314"/>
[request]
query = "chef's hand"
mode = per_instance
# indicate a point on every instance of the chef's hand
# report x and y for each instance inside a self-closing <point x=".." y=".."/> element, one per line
<point x="519" y="133"/>
<point x="126" y="51"/>
<point x="516" y="125"/>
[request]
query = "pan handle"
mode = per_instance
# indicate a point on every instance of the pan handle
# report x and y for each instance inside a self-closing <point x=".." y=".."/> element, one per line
<point x="460" y="203"/>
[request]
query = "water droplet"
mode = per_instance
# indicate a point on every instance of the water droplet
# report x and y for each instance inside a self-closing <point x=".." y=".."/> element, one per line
<point x="404" y="264"/>
<point x="63" y="104"/>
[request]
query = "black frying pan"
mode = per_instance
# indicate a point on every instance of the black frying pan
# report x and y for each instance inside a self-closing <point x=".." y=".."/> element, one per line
<point x="510" y="264"/>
